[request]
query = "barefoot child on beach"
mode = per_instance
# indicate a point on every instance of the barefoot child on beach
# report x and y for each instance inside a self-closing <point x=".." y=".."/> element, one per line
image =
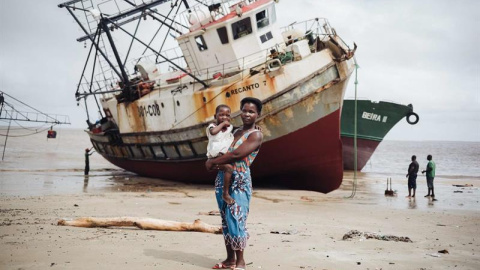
<point x="220" y="138"/>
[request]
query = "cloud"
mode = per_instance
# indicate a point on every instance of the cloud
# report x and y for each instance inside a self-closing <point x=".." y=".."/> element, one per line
<point x="419" y="52"/>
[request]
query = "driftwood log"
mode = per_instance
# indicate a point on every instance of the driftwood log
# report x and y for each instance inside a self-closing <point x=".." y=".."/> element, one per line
<point x="142" y="223"/>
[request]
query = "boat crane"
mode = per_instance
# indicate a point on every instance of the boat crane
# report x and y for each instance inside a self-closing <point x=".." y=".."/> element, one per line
<point x="8" y="112"/>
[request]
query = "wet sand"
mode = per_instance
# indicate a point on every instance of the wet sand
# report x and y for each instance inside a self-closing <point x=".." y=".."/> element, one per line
<point x="310" y="225"/>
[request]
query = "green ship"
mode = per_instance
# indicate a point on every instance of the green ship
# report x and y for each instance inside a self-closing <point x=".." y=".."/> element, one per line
<point x="374" y="121"/>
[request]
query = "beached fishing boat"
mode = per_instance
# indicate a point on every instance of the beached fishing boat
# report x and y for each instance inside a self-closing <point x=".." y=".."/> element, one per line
<point x="374" y="121"/>
<point x="155" y="104"/>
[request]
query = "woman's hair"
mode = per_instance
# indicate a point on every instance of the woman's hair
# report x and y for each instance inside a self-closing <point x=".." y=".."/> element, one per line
<point x="253" y="100"/>
<point x="221" y="106"/>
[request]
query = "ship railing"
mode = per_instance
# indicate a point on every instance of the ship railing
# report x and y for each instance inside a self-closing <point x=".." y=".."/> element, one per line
<point x="217" y="74"/>
<point x="174" y="54"/>
<point x="317" y="27"/>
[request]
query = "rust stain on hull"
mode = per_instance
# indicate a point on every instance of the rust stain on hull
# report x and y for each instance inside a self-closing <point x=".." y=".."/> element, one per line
<point x="137" y="122"/>
<point x="259" y="86"/>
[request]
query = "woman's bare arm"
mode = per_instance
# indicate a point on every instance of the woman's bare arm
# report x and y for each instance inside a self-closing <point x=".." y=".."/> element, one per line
<point x="252" y="143"/>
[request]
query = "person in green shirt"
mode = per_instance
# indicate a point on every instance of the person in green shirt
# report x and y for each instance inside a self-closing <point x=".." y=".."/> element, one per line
<point x="430" y="176"/>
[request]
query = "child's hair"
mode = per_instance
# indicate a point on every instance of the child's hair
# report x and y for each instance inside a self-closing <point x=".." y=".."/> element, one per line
<point x="221" y="106"/>
<point x="253" y="100"/>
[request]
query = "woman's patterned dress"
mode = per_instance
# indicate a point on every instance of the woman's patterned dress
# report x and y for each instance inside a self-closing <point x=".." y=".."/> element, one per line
<point x="234" y="216"/>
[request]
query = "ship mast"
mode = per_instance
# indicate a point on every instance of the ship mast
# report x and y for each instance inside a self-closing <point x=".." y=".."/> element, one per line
<point x="99" y="24"/>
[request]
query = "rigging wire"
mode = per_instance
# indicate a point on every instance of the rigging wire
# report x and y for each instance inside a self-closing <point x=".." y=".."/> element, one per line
<point x="25" y="135"/>
<point x="46" y="115"/>
<point x="36" y="131"/>
<point x="168" y="32"/>
<point x="354" y="184"/>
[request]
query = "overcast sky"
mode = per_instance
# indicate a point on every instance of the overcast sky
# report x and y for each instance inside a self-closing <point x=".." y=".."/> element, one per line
<point x="420" y="52"/>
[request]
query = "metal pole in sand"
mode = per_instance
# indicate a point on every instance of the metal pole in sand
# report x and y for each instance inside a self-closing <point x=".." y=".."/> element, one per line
<point x="6" y="137"/>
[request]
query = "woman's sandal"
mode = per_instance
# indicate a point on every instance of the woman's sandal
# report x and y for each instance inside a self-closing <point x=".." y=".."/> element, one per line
<point x="223" y="266"/>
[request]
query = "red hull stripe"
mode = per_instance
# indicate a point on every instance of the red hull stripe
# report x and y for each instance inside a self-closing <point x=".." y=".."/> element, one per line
<point x="365" y="149"/>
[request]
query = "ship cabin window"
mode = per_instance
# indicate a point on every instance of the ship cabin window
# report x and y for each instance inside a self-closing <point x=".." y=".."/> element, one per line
<point x="202" y="46"/>
<point x="222" y="34"/>
<point x="262" y="19"/>
<point x="241" y="28"/>
<point x="266" y="37"/>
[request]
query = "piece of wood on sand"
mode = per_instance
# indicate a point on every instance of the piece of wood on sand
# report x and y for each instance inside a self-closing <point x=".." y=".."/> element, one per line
<point x="142" y="223"/>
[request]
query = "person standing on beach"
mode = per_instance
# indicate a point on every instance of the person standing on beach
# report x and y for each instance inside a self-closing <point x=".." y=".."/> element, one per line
<point x="430" y="176"/>
<point x="412" y="176"/>
<point x="87" y="160"/>
<point x="242" y="152"/>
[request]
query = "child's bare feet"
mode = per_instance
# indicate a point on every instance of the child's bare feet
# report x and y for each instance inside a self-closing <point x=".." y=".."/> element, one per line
<point x="226" y="197"/>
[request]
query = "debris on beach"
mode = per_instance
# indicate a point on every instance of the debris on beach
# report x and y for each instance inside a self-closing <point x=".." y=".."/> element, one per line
<point x="142" y="223"/>
<point x="390" y="192"/>
<point x="444" y="251"/>
<point x="457" y="191"/>
<point x="284" y="232"/>
<point x="354" y="234"/>
<point x="210" y="213"/>
<point x="465" y="185"/>
<point x="434" y="255"/>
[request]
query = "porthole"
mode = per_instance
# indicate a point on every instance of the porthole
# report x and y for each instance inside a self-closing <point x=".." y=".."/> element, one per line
<point x="227" y="94"/>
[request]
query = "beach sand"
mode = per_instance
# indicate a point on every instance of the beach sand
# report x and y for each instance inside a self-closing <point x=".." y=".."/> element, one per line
<point x="309" y="226"/>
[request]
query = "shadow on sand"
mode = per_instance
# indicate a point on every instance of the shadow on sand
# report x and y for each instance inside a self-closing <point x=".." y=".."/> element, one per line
<point x="181" y="257"/>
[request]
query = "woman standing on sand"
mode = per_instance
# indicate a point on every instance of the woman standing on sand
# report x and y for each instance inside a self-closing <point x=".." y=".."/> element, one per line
<point x="242" y="152"/>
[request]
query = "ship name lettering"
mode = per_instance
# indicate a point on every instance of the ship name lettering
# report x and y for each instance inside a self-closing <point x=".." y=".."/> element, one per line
<point x="244" y="88"/>
<point x="150" y="110"/>
<point x="373" y="117"/>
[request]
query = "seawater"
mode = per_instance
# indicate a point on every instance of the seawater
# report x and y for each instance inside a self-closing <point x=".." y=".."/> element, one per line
<point x="34" y="165"/>
<point x="452" y="159"/>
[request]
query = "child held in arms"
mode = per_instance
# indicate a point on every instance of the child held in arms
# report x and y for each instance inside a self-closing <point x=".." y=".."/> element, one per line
<point x="220" y="138"/>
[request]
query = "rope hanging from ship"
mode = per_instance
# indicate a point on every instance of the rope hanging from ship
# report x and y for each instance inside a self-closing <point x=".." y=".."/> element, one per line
<point x="354" y="183"/>
<point x="25" y="135"/>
